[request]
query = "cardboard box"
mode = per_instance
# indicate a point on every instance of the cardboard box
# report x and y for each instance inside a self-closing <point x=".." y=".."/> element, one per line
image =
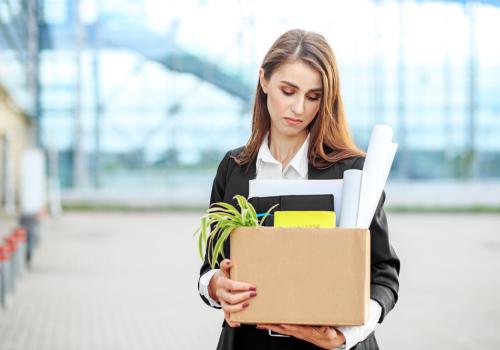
<point x="307" y="276"/>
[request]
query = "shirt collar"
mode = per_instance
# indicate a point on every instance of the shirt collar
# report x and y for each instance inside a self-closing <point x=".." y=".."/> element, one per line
<point x="299" y="162"/>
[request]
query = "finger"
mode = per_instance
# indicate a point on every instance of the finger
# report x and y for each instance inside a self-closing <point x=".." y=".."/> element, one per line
<point x="296" y="329"/>
<point x="326" y="332"/>
<point x="324" y="329"/>
<point x="269" y="325"/>
<point x="231" y="285"/>
<point x="333" y="333"/>
<point x="228" y="321"/>
<point x="307" y="333"/>
<point x="234" y="298"/>
<point x="234" y="308"/>
<point x="332" y="330"/>
<point x="272" y="327"/>
<point x="313" y="334"/>
<point x="264" y="326"/>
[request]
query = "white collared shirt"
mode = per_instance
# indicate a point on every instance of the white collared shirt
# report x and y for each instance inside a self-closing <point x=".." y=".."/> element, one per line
<point x="270" y="168"/>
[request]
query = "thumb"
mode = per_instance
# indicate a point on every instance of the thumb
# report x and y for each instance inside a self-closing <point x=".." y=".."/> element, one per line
<point x="228" y="320"/>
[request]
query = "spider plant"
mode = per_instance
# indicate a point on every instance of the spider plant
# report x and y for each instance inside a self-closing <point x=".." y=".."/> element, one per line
<point x="219" y="221"/>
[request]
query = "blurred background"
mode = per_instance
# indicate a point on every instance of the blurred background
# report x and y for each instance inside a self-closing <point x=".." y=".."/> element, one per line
<point x="116" y="113"/>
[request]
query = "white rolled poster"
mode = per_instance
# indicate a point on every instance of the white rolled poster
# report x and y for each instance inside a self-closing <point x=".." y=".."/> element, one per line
<point x="378" y="162"/>
<point x="351" y="191"/>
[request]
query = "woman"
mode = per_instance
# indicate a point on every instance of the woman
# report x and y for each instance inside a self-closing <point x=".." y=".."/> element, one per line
<point x="299" y="131"/>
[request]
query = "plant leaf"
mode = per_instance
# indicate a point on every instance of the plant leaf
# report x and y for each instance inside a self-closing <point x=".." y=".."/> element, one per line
<point x="267" y="214"/>
<point x="220" y="220"/>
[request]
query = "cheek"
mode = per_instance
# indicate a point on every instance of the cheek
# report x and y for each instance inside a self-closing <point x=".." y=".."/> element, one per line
<point x="276" y="104"/>
<point x="313" y="110"/>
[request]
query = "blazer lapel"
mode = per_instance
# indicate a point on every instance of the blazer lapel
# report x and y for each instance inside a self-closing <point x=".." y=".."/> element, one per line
<point x="238" y="181"/>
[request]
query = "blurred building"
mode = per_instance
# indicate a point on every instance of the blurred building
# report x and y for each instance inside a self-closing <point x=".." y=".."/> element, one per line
<point x="150" y="94"/>
<point x="14" y="126"/>
<point x="18" y="55"/>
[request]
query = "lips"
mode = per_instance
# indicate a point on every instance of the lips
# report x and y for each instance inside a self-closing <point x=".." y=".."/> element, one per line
<point x="292" y="121"/>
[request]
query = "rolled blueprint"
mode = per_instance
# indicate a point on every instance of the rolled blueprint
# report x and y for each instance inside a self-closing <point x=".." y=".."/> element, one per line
<point x="351" y="191"/>
<point x="378" y="162"/>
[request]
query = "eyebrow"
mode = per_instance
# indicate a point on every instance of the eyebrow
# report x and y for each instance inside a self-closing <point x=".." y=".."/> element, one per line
<point x="295" y="86"/>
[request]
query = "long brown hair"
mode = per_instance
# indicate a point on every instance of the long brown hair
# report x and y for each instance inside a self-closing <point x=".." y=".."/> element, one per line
<point x="330" y="138"/>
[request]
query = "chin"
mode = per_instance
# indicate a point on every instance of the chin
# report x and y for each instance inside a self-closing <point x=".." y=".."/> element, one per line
<point x="290" y="131"/>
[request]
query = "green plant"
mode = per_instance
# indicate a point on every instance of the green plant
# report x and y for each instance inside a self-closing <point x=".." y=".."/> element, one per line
<point x="220" y="220"/>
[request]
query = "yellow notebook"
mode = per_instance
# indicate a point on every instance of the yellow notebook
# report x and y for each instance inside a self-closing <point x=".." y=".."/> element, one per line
<point x="316" y="219"/>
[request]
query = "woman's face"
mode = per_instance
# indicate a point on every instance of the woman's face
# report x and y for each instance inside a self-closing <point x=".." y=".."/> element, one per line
<point x="293" y="97"/>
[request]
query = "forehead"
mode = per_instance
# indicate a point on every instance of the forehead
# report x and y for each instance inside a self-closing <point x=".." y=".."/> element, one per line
<point x="298" y="73"/>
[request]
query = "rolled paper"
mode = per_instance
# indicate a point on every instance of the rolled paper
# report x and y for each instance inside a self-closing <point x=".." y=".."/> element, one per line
<point x="380" y="138"/>
<point x="351" y="191"/>
<point x="378" y="162"/>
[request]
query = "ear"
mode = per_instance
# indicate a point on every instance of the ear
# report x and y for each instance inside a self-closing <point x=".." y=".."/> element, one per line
<point x="263" y="82"/>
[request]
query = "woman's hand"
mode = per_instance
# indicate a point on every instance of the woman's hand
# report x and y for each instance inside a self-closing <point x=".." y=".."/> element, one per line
<point x="232" y="295"/>
<point x="323" y="336"/>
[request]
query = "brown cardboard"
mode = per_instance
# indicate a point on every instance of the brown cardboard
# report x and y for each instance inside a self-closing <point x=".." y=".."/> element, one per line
<point x="306" y="276"/>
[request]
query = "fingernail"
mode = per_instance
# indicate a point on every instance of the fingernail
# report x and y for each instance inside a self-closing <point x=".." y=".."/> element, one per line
<point x="253" y="294"/>
<point x="253" y="288"/>
<point x="246" y="304"/>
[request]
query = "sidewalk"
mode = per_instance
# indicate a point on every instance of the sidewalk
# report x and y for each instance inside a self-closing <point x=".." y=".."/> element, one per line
<point x="111" y="281"/>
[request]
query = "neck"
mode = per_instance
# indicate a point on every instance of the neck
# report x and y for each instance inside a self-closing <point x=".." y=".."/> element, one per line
<point x="284" y="148"/>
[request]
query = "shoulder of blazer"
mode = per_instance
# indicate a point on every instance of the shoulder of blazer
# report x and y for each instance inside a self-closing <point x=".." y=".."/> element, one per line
<point x="356" y="162"/>
<point x="228" y="163"/>
<point x="233" y="154"/>
<point x="234" y="178"/>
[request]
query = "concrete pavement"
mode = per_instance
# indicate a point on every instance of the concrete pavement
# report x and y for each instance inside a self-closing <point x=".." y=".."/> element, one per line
<point x="113" y="281"/>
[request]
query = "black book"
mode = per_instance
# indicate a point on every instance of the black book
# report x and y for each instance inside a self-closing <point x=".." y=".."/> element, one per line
<point x="307" y="202"/>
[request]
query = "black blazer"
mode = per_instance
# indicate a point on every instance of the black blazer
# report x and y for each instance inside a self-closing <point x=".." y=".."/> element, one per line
<point x="232" y="179"/>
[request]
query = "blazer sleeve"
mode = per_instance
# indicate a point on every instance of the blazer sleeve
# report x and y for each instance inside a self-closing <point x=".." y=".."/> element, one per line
<point x="217" y="195"/>
<point x="385" y="264"/>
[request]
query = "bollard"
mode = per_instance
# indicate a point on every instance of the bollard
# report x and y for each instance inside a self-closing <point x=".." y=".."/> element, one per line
<point x="2" y="301"/>
<point x="21" y="237"/>
<point x="11" y="243"/>
<point x="4" y="274"/>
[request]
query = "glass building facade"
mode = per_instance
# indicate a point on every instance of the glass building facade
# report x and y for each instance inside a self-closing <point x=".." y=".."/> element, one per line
<point x="153" y="93"/>
<point x="18" y="52"/>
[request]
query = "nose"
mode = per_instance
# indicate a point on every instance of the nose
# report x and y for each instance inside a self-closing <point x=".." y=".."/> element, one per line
<point x="298" y="106"/>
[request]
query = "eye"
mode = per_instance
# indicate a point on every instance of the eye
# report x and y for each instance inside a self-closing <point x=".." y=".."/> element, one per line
<point x="287" y="92"/>
<point x="313" y="98"/>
